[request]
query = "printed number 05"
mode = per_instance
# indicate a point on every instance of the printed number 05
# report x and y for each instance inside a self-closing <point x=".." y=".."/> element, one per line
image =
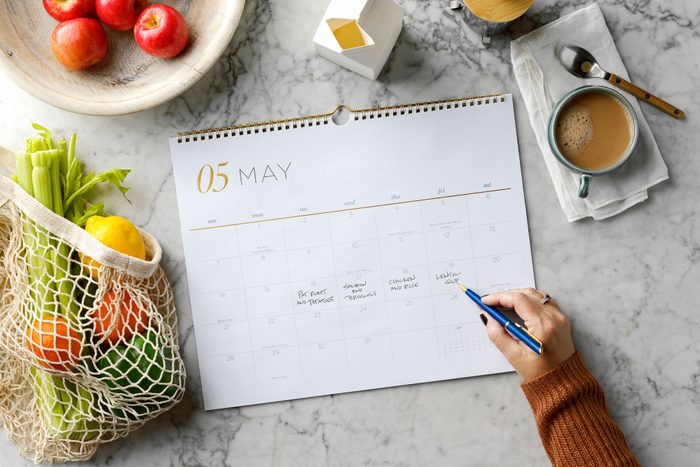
<point x="206" y="176"/>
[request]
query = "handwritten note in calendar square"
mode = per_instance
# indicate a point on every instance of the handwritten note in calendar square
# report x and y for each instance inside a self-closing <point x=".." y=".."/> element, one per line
<point x="323" y="258"/>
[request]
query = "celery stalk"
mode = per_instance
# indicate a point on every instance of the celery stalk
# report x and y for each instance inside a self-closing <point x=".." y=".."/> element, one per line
<point x="36" y="144"/>
<point x="62" y="147"/>
<point x="47" y="393"/>
<point x="45" y="135"/>
<point x="65" y="406"/>
<point x="49" y="172"/>
<point x="45" y="384"/>
<point x="24" y="179"/>
<point x="64" y="287"/>
<point x="55" y="158"/>
<point x="41" y="177"/>
<point x="41" y="260"/>
<point x="24" y="172"/>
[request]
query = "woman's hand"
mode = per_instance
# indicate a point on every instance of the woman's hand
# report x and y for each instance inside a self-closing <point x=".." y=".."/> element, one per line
<point x="546" y="322"/>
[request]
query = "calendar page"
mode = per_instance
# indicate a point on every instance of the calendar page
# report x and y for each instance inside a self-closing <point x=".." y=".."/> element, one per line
<point x="326" y="258"/>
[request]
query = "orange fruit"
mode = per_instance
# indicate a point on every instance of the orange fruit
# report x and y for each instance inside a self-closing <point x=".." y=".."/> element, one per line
<point x="118" y="317"/>
<point x="56" y="345"/>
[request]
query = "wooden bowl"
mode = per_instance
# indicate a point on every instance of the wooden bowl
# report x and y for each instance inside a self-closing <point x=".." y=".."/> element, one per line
<point x="128" y="80"/>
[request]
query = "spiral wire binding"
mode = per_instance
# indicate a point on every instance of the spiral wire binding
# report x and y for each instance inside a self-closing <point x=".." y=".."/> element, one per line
<point x="323" y="119"/>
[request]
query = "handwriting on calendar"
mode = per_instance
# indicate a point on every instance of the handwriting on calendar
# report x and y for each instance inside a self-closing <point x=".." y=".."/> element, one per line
<point x="358" y="291"/>
<point x="314" y="297"/>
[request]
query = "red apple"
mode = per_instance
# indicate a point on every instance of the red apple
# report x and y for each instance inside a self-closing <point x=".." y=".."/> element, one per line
<point x="79" y="43"/>
<point x="161" y="31"/>
<point x="63" y="10"/>
<point x="119" y="14"/>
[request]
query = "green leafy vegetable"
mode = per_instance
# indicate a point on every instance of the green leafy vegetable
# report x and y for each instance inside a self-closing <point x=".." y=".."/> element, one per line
<point x="75" y="203"/>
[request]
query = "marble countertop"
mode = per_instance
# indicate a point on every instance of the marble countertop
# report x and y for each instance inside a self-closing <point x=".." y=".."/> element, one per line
<point x="631" y="284"/>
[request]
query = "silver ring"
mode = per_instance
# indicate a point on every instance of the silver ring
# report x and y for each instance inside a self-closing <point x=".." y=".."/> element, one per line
<point x="545" y="299"/>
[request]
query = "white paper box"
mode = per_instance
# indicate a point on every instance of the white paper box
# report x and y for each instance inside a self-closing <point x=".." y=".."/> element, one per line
<point x="370" y="29"/>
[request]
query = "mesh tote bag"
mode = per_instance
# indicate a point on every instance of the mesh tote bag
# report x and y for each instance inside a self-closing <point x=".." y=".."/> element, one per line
<point x="88" y="336"/>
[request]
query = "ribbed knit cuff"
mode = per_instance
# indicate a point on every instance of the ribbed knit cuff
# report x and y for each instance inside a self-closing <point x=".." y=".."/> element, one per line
<point x="572" y="418"/>
<point x="558" y="383"/>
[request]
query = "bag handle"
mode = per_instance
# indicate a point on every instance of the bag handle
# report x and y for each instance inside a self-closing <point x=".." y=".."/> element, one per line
<point x="7" y="167"/>
<point x="78" y="238"/>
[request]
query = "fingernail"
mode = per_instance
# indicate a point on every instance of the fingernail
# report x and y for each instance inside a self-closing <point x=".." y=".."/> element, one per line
<point x="483" y="318"/>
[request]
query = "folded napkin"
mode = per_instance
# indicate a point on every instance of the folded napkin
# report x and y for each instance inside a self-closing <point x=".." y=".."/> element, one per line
<point x="543" y="81"/>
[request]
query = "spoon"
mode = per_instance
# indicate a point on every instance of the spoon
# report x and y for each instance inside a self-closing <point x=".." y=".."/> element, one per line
<point x="581" y="63"/>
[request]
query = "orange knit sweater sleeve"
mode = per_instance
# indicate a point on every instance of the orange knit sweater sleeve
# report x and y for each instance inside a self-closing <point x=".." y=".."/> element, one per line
<point x="573" y="420"/>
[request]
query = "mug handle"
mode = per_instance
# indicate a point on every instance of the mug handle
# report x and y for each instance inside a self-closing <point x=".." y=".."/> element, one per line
<point x="583" y="184"/>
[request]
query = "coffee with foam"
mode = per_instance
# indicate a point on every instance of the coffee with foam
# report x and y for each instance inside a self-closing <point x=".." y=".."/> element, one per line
<point x="593" y="131"/>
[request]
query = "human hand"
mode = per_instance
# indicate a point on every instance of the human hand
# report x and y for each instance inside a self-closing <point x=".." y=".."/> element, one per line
<point x="547" y="322"/>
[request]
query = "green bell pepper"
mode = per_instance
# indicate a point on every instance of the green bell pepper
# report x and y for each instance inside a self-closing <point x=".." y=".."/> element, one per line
<point x="142" y="369"/>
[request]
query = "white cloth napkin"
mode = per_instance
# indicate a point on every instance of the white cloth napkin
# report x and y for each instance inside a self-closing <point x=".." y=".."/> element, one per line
<point x="543" y="81"/>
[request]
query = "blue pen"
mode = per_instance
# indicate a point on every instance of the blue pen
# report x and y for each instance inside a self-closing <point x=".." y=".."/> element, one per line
<point x="514" y="329"/>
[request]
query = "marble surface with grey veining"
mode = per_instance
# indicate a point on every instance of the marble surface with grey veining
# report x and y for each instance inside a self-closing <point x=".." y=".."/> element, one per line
<point x="631" y="284"/>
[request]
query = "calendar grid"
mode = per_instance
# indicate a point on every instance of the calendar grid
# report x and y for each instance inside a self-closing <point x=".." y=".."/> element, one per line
<point x="296" y="328"/>
<point x="320" y="245"/>
<point x="331" y="276"/>
<point x="370" y="335"/>
<point x="430" y="287"/>
<point x="340" y="309"/>
<point x="438" y="295"/>
<point x="384" y="281"/>
<point x="471" y="243"/>
<point x="335" y="211"/>
<point x="345" y="243"/>
<point x="448" y="339"/>
<point x="245" y="300"/>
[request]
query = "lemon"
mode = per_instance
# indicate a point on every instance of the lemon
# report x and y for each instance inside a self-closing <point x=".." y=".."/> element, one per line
<point x="118" y="234"/>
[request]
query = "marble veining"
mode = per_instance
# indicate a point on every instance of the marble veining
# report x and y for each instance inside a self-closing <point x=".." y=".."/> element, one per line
<point x="630" y="283"/>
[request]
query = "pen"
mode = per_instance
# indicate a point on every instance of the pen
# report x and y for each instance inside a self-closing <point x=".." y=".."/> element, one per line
<point x="514" y="329"/>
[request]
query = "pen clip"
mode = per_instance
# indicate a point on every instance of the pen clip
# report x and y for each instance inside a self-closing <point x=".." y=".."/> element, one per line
<point x="525" y="330"/>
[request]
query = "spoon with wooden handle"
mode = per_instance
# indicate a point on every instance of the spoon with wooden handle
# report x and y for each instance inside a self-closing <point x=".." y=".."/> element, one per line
<point x="581" y="63"/>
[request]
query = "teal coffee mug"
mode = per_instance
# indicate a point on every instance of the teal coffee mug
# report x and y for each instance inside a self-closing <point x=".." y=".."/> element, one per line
<point x="586" y="174"/>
